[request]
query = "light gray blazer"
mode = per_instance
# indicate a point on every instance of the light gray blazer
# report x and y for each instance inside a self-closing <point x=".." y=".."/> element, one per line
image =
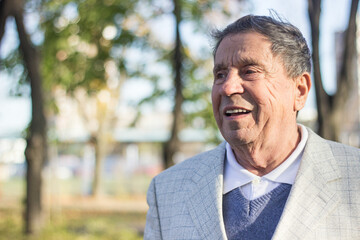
<point x="185" y="201"/>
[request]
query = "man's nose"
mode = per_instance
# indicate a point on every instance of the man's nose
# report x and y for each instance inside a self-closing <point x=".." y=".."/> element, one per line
<point x="233" y="84"/>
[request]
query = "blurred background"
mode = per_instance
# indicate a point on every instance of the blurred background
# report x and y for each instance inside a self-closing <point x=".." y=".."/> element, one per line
<point x="97" y="97"/>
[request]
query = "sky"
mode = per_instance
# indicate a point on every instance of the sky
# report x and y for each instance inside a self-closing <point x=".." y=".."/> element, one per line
<point x="15" y="111"/>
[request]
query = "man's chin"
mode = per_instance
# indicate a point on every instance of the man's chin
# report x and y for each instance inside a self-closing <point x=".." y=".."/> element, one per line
<point x="238" y="138"/>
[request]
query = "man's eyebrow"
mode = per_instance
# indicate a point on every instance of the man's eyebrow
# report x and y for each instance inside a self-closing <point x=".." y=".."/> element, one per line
<point x="219" y="67"/>
<point x="243" y="62"/>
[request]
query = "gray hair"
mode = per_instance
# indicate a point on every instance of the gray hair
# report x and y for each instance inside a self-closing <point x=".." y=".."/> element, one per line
<point x="286" y="40"/>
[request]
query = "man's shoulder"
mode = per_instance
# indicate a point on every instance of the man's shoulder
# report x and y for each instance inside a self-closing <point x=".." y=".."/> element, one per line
<point x="194" y="164"/>
<point x="346" y="157"/>
<point x="338" y="149"/>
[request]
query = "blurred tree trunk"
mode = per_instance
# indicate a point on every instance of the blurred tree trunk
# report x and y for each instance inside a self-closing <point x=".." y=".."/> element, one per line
<point x="35" y="152"/>
<point x="100" y="144"/>
<point x="330" y="107"/>
<point x="172" y="145"/>
<point x="100" y="140"/>
<point x="100" y="136"/>
<point x="100" y="152"/>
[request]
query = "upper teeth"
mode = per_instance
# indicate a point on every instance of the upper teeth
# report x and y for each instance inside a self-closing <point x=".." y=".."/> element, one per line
<point x="236" y="111"/>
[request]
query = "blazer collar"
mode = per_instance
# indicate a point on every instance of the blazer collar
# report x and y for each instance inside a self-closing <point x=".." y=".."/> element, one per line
<point x="313" y="195"/>
<point x="205" y="198"/>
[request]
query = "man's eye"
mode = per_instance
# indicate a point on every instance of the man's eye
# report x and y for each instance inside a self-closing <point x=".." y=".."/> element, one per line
<point x="249" y="71"/>
<point x="219" y="75"/>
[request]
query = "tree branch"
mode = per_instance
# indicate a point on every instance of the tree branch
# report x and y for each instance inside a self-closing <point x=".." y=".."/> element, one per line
<point x="4" y="13"/>
<point x="347" y="74"/>
<point x="323" y="100"/>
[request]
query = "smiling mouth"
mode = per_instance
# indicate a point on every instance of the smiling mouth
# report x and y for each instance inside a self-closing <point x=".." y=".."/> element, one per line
<point x="236" y="112"/>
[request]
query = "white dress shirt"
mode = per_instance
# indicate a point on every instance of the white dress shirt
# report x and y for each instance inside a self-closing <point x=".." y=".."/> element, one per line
<point x="253" y="186"/>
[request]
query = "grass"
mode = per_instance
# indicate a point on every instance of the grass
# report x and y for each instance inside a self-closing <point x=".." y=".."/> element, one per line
<point x="77" y="226"/>
<point x="76" y="223"/>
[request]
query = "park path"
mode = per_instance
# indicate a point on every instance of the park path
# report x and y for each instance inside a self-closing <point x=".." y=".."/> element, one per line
<point x="103" y="204"/>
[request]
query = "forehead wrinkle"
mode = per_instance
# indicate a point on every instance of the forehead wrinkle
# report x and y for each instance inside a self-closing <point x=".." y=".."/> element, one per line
<point x="246" y="61"/>
<point x="243" y="57"/>
<point x="236" y="61"/>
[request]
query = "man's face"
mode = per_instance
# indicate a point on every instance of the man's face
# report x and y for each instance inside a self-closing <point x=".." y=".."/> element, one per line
<point x="253" y="98"/>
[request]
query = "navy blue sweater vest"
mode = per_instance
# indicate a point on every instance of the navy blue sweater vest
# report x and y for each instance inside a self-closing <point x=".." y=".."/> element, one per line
<point x="253" y="219"/>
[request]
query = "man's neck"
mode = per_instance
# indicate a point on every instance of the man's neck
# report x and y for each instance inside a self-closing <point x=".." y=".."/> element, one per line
<point x="262" y="158"/>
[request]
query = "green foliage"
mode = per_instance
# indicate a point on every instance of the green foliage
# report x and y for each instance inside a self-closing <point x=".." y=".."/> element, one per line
<point x="81" y="36"/>
<point x="13" y="66"/>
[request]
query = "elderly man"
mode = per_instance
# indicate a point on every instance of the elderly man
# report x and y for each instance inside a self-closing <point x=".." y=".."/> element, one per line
<point x="272" y="178"/>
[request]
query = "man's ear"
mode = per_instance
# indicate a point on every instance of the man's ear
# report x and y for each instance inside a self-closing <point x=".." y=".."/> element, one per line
<point x="303" y="85"/>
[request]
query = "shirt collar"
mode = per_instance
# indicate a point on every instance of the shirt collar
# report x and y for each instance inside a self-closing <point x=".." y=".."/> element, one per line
<point x="235" y="175"/>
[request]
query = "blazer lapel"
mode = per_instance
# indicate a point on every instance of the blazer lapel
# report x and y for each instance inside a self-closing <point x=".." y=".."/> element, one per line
<point x="313" y="194"/>
<point x="205" y="199"/>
